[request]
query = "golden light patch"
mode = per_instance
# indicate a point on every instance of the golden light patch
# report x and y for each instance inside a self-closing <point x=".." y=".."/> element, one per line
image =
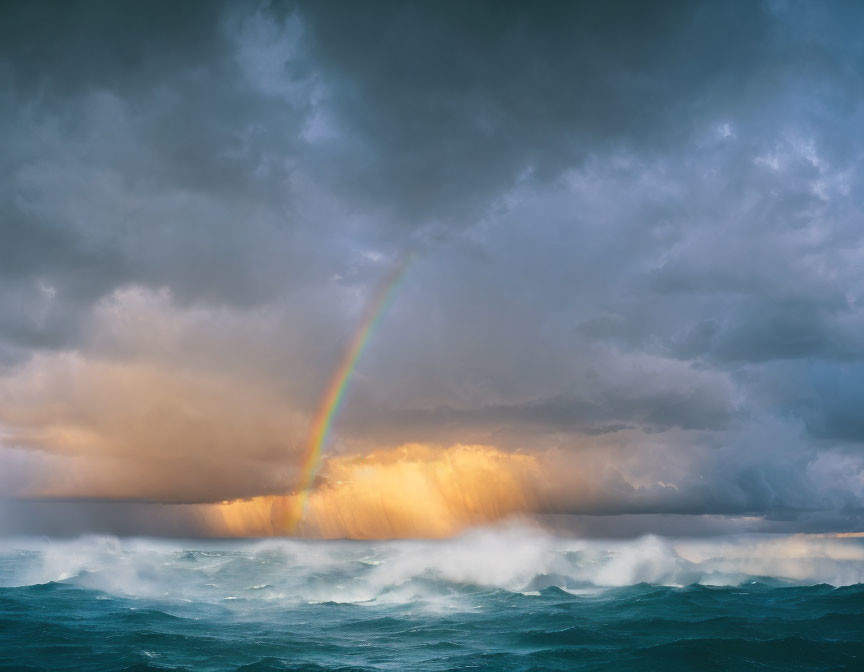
<point x="410" y="491"/>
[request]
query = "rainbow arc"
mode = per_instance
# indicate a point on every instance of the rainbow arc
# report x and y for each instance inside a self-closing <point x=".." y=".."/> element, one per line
<point x="331" y="401"/>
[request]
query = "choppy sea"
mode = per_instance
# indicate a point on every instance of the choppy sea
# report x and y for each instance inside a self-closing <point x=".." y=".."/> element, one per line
<point x="497" y="599"/>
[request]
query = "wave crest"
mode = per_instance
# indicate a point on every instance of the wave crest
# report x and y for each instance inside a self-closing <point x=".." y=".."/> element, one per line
<point x="510" y="558"/>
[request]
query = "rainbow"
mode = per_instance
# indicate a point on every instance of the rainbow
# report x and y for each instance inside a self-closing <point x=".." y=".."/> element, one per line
<point x="330" y="403"/>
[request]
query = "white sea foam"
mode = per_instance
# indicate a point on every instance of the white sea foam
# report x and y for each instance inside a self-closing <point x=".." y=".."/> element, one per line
<point x="513" y="558"/>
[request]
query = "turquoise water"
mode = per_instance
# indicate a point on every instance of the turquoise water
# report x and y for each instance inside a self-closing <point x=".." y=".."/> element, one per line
<point x="510" y="599"/>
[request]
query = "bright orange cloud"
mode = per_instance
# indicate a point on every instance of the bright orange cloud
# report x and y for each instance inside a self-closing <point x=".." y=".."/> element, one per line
<point x="410" y="491"/>
<point x="122" y="430"/>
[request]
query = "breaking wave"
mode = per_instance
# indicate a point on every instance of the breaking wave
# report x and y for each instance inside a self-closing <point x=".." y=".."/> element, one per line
<point x="515" y="559"/>
<point x="499" y="598"/>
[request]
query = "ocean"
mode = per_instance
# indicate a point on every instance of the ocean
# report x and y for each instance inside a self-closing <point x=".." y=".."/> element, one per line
<point x="511" y="598"/>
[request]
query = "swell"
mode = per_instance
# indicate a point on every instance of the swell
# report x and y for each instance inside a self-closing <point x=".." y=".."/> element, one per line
<point x="753" y="626"/>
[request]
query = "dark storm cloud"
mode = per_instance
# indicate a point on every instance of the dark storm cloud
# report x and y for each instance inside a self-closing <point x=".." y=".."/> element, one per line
<point x="454" y="104"/>
<point x="61" y="49"/>
<point x="135" y="154"/>
<point x="636" y="229"/>
<point x="457" y="101"/>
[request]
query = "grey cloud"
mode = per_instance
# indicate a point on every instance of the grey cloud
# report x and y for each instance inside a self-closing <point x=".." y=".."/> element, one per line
<point x="76" y="517"/>
<point x="459" y="100"/>
<point x="62" y="49"/>
<point x="758" y="331"/>
<point x="836" y="398"/>
<point x="634" y="222"/>
<point x="702" y="406"/>
<point x="139" y="152"/>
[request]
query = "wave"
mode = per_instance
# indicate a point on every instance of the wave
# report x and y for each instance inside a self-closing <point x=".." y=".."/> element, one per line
<point x="513" y="558"/>
<point x="506" y="599"/>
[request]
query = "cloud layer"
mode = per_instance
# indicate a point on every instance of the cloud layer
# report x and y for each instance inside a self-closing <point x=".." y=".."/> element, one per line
<point x="636" y="246"/>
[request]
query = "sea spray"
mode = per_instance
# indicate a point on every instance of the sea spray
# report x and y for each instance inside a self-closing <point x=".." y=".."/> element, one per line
<point x="510" y="597"/>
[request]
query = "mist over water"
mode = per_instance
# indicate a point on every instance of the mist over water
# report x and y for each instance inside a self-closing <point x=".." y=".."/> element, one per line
<point x="505" y="598"/>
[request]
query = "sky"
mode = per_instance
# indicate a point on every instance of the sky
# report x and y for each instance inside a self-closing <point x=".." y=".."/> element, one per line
<point x="633" y="294"/>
